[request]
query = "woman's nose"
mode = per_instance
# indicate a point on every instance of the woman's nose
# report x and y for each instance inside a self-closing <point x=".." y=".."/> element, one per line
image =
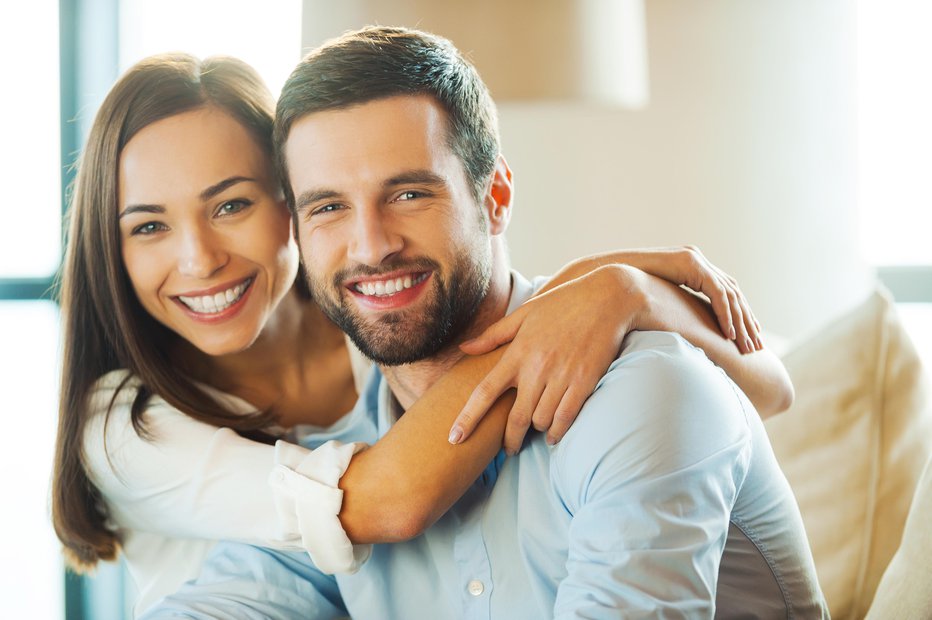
<point x="201" y="255"/>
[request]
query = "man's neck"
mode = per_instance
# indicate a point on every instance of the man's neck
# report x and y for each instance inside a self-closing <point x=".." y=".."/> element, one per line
<point x="409" y="381"/>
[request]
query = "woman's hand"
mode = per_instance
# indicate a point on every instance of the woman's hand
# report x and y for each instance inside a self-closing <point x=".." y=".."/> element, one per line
<point x="689" y="267"/>
<point x="562" y="342"/>
<point x="686" y="266"/>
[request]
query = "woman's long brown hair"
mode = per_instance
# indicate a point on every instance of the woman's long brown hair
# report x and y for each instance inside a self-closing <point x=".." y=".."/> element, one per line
<point x="104" y="327"/>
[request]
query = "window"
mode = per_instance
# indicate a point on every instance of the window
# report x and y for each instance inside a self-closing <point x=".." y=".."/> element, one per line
<point x="895" y="154"/>
<point x="29" y="255"/>
<point x="29" y="123"/>
<point x="266" y="35"/>
<point x="895" y="131"/>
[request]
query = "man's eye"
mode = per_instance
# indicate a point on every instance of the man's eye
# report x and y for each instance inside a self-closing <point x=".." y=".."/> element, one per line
<point x="327" y="209"/>
<point x="233" y="206"/>
<point x="409" y="195"/>
<point x="149" y="228"/>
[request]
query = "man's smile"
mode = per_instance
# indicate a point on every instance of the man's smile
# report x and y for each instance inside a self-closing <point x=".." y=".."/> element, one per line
<point x="389" y="291"/>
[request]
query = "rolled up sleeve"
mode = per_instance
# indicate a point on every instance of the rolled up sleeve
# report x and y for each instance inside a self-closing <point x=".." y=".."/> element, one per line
<point x="308" y="502"/>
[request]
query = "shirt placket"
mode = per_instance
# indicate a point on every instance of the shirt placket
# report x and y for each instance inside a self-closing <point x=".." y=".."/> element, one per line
<point x="471" y="553"/>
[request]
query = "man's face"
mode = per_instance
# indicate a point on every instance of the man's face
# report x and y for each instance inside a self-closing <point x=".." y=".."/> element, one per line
<point x="396" y="248"/>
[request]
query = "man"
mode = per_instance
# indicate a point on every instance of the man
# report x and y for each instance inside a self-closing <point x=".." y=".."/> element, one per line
<point x="664" y="498"/>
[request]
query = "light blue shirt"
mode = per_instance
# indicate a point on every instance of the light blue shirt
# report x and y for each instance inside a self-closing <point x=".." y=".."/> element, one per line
<point x="664" y="499"/>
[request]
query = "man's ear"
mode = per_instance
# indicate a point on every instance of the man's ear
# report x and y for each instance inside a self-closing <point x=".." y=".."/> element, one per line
<point x="499" y="196"/>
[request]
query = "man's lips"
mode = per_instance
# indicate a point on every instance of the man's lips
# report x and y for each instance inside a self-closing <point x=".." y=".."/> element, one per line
<point x="388" y="291"/>
<point x="388" y="284"/>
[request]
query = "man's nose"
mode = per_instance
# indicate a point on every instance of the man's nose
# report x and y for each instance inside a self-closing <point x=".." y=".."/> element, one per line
<point x="373" y="240"/>
<point x="201" y="254"/>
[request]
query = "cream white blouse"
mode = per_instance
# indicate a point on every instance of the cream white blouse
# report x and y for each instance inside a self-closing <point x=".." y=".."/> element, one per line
<point x="171" y="496"/>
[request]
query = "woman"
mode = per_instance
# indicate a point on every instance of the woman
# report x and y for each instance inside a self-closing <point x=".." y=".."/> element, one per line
<point x="190" y="347"/>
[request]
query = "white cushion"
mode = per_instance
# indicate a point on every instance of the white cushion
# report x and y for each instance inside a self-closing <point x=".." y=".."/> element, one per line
<point x="905" y="590"/>
<point x="853" y="446"/>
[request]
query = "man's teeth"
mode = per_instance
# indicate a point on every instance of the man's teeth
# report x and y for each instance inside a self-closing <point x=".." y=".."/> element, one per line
<point x="212" y="304"/>
<point x="384" y="288"/>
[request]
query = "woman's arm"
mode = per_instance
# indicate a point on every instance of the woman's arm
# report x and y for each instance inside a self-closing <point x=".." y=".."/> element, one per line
<point x="187" y="479"/>
<point x="759" y="373"/>
<point x="646" y="303"/>
<point x="397" y="488"/>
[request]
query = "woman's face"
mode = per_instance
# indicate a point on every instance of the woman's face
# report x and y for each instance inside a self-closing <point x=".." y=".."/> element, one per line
<point x="205" y="234"/>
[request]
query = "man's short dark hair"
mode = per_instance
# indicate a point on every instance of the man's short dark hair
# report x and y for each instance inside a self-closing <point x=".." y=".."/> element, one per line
<point x="379" y="62"/>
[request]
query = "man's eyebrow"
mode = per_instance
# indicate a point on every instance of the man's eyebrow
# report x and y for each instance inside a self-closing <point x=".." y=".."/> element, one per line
<point x="313" y="195"/>
<point x="424" y="177"/>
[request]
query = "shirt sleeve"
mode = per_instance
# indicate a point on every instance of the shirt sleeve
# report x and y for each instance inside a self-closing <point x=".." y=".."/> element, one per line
<point x="189" y="479"/>
<point x="242" y="582"/>
<point x="650" y="473"/>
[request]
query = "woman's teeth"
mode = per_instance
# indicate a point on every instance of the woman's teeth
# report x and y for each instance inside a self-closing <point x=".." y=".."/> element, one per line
<point x="384" y="288"/>
<point x="212" y="304"/>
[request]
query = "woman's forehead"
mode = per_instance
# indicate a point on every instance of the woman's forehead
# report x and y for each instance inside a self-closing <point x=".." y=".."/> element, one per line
<point x="186" y="153"/>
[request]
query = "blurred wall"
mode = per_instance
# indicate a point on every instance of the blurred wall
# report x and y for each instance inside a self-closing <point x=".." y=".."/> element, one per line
<point x="746" y="149"/>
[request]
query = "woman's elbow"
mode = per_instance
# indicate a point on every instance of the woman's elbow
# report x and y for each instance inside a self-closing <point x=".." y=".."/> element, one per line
<point x="387" y="519"/>
<point x="780" y="397"/>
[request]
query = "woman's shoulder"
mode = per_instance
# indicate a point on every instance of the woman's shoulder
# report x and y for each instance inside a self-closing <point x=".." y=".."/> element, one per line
<point x="110" y="399"/>
<point x="110" y="434"/>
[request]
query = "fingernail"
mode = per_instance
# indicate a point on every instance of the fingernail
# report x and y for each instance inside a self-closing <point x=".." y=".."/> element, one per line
<point x="748" y="344"/>
<point x="732" y="334"/>
<point x="456" y="434"/>
<point x="551" y="440"/>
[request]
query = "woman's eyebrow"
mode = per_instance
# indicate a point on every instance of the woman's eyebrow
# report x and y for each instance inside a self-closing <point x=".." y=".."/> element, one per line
<point x="205" y="195"/>
<point x="216" y="188"/>
<point x="142" y="209"/>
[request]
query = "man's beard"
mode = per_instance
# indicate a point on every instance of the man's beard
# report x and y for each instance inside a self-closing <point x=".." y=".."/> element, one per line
<point x="406" y="336"/>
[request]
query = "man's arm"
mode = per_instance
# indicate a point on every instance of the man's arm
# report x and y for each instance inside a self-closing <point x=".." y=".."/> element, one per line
<point x="650" y="474"/>
<point x="242" y="582"/>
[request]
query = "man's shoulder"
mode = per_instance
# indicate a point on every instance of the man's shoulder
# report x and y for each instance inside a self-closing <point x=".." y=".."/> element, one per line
<point x="659" y="370"/>
<point x="661" y="406"/>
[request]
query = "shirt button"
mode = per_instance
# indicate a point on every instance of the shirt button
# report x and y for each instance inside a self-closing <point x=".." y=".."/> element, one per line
<point x="475" y="587"/>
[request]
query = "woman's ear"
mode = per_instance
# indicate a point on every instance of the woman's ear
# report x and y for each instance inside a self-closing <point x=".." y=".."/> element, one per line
<point x="499" y="196"/>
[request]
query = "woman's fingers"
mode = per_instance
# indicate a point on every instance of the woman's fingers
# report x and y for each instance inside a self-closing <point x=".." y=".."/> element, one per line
<point x="500" y="378"/>
<point x="569" y="407"/>
<point x="737" y="313"/>
<point x="721" y="306"/>
<point x="751" y="338"/>
<point x="518" y="425"/>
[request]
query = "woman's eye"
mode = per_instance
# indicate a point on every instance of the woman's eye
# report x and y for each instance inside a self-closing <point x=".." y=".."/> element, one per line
<point x="148" y="228"/>
<point x="232" y="206"/>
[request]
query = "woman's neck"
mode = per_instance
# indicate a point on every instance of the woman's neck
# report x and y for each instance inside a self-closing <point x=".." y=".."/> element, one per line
<point x="298" y="366"/>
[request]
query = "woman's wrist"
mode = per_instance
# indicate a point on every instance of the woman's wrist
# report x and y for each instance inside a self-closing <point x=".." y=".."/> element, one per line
<point x="632" y="295"/>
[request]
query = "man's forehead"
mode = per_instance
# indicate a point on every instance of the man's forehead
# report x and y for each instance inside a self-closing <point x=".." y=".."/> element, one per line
<point x="375" y="139"/>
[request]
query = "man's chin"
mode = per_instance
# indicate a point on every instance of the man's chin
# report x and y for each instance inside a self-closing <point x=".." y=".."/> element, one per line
<point x="393" y="349"/>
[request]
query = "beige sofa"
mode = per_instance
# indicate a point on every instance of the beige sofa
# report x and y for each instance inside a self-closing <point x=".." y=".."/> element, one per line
<point x="853" y="446"/>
